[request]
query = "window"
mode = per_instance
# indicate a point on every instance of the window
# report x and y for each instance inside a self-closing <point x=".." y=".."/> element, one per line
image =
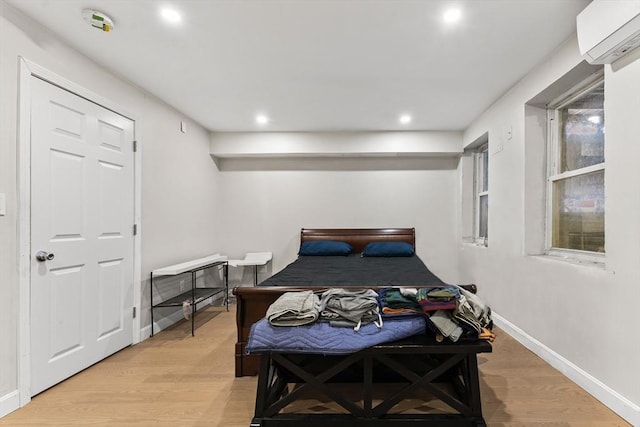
<point x="575" y="214"/>
<point x="481" y="167"/>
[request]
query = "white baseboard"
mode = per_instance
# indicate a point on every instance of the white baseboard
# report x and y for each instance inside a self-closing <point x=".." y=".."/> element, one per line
<point x="609" y="397"/>
<point x="9" y="403"/>
<point x="145" y="333"/>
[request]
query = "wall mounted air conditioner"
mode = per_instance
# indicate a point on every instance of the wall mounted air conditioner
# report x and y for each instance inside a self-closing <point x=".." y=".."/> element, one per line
<point x="608" y="29"/>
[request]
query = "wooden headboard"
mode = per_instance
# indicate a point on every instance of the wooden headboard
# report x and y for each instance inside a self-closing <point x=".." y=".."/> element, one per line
<point x="359" y="237"/>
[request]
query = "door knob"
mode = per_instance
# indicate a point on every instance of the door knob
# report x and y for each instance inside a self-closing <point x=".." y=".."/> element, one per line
<point x="44" y="256"/>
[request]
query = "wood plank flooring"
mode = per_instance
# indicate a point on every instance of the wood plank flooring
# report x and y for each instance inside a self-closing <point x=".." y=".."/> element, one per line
<point x="174" y="379"/>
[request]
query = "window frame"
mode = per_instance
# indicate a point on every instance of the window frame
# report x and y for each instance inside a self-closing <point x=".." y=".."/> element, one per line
<point x="554" y="175"/>
<point x="479" y="192"/>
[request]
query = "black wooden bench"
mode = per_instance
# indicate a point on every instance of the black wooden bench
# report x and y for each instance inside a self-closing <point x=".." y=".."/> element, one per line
<point x="447" y="371"/>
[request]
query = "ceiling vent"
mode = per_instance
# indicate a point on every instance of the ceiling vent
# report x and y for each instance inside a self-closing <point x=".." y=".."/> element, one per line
<point x="607" y="30"/>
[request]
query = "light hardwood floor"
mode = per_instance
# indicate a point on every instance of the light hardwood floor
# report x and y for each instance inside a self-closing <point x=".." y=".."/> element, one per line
<point x="174" y="379"/>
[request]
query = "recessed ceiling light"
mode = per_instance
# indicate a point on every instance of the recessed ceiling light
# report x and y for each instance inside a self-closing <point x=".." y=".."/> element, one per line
<point x="452" y="15"/>
<point x="405" y="119"/>
<point x="171" y="15"/>
<point x="261" y="119"/>
<point x="594" y="119"/>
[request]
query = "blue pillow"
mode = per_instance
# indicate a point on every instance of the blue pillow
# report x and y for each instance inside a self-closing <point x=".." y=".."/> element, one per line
<point x="388" y="249"/>
<point x="325" y="247"/>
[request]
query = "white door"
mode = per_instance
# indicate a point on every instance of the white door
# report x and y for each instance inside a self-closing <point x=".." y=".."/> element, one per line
<point x="82" y="213"/>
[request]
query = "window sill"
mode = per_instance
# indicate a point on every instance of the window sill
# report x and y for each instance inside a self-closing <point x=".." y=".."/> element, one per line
<point x="473" y="244"/>
<point x="586" y="260"/>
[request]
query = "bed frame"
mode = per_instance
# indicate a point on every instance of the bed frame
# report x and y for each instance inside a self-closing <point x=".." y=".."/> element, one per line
<point x="448" y="372"/>
<point x="252" y="302"/>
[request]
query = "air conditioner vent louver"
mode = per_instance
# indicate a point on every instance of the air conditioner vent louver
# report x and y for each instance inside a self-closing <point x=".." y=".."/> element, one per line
<point x="608" y="30"/>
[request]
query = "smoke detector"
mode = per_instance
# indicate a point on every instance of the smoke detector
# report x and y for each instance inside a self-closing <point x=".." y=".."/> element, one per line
<point x="98" y="20"/>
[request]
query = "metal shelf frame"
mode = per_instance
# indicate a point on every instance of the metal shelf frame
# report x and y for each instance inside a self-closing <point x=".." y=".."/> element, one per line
<point x="196" y="294"/>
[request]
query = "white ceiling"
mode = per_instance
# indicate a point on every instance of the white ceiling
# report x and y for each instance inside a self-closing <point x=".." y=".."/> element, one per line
<point x="319" y="65"/>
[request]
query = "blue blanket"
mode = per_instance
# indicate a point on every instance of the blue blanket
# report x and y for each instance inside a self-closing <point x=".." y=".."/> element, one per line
<point x="322" y="338"/>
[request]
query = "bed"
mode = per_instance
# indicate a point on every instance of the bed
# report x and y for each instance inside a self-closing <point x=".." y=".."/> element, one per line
<point x="419" y="363"/>
<point x="302" y="274"/>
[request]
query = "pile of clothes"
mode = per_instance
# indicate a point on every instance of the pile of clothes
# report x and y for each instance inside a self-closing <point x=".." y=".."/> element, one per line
<point x="340" y="307"/>
<point x="450" y="311"/>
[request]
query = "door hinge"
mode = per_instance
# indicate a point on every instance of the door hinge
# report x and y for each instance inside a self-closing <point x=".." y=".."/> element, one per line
<point x="134" y="312"/>
<point x="135" y="146"/>
<point x="135" y="229"/>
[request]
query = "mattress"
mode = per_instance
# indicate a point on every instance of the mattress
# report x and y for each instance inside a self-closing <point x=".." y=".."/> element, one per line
<point x="354" y="270"/>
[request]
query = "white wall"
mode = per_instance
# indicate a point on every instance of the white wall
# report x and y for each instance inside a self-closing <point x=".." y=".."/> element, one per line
<point x="292" y="144"/>
<point x="582" y="318"/>
<point x="180" y="194"/>
<point x="585" y="316"/>
<point x="267" y="202"/>
<point x="179" y="185"/>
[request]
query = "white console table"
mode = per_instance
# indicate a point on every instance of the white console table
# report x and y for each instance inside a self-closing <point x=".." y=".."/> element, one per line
<point x="254" y="259"/>
<point x="196" y="294"/>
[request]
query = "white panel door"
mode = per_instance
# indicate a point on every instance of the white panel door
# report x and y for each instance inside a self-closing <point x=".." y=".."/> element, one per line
<point x="82" y="201"/>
